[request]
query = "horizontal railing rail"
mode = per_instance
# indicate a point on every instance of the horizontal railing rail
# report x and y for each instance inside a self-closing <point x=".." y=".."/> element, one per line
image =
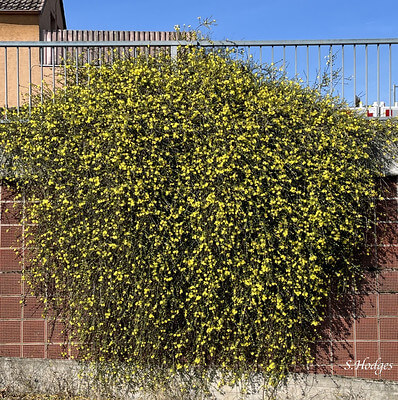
<point x="204" y="43"/>
<point x="360" y="71"/>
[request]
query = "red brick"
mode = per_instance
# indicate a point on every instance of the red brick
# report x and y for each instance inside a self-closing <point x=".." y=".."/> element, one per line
<point x="348" y="329"/>
<point x="367" y="349"/>
<point x="27" y="255"/>
<point x="388" y="371"/>
<point x="369" y="283"/>
<point x="343" y="370"/>
<point x="389" y="328"/>
<point x="11" y="237"/>
<point x="368" y="258"/>
<point x="9" y="261"/>
<point x="369" y="370"/>
<point x="367" y="305"/>
<point x="387" y="210"/>
<point x="10" y="307"/>
<point x="342" y="329"/>
<point x="11" y="213"/>
<point x="391" y="374"/>
<point x="33" y="351"/>
<point x="370" y="237"/>
<point x="387" y="233"/>
<point x="27" y="289"/>
<point x="51" y="315"/>
<point x="324" y="370"/>
<point x="387" y="257"/>
<point x="57" y="351"/>
<point x="10" y="332"/>
<point x="389" y="352"/>
<point x="8" y="193"/>
<point x="55" y="334"/>
<point x="32" y="308"/>
<point x="33" y="331"/>
<point x="10" y="351"/>
<point x="366" y="329"/>
<point x="389" y="304"/>
<point x="10" y="283"/>
<point x="342" y="352"/>
<point x="322" y="354"/>
<point x="388" y="281"/>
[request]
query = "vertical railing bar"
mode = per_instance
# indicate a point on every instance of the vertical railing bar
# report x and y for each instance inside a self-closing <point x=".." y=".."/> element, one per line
<point x="272" y="55"/>
<point x="355" y="70"/>
<point x="342" y="71"/>
<point x="261" y="55"/>
<point x="18" y="103"/>
<point x="6" y="80"/>
<point x="284" y="59"/>
<point x="390" y="76"/>
<point x="57" y="52"/>
<point x="65" y="51"/>
<point x="331" y="69"/>
<point x="53" y="55"/>
<point x="319" y="67"/>
<point x="100" y="55"/>
<point x="295" y="62"/>
<point x="77" y="65"/>
<point x="378" y="74"/>
<point x="89" y="62"/>
<point x="41" y="74"/>
<point x="366" y="76"/>
<point x="308" y="65"/>
<point x="30" y="79"/>
<point x="77" y="48"/>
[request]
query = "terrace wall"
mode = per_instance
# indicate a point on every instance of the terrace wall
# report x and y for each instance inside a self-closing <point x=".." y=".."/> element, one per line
<point x="371" y="339"/>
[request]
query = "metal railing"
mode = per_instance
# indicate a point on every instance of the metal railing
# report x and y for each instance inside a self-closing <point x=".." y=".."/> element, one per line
<point x="361" y="71"/>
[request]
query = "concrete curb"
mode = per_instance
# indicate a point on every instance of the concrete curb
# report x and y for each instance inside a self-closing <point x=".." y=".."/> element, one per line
<point x="21" y="375"/>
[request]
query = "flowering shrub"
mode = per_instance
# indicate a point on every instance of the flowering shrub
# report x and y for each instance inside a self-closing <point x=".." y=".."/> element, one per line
<point x="194" y="214"/>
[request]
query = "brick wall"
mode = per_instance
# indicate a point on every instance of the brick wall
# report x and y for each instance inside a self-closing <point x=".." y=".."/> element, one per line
<point x="365" y="344"/>
<point x="23" y="331"/>
<point x="359" y="347"/>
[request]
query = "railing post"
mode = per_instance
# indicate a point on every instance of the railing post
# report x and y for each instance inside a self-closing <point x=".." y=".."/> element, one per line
<point x="173" y="51"/>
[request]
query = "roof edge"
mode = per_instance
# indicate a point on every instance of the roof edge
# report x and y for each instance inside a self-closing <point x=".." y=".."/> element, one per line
<point x="18" y="12"/>
<point x="43" y="6"/>
<point x="61" y="4"/>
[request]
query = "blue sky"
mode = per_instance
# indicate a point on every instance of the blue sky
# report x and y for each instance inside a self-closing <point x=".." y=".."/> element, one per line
<point x="242" y="20"/>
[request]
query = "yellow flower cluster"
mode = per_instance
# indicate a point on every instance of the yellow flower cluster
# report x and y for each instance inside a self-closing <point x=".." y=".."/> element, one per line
<point x="193" y="213"/>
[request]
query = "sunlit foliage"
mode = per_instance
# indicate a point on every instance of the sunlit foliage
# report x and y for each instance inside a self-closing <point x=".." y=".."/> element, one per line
<point x="194" y="214"/>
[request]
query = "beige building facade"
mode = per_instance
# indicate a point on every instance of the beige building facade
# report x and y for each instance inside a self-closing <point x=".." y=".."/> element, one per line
<point x="21" y="69"/>
<point x="25" y="20"/>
